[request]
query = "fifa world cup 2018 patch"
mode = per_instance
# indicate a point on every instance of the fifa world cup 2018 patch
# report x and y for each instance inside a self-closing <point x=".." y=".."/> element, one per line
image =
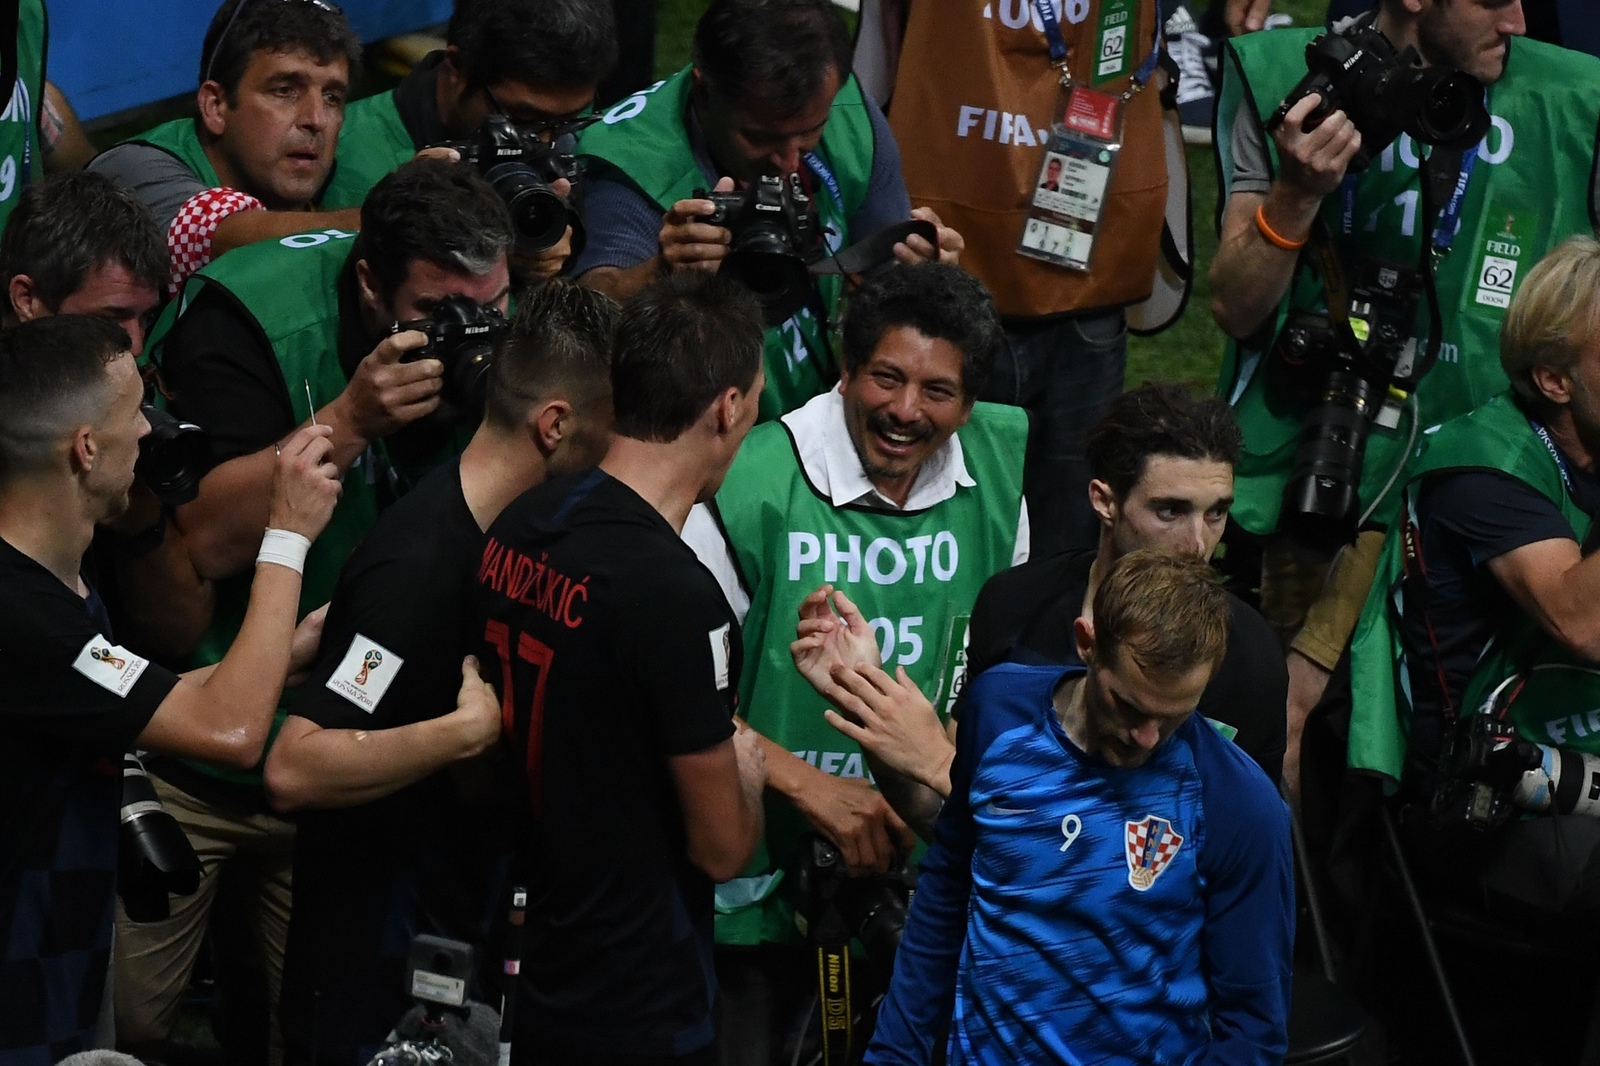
<point x="365" y="673"/>
<point x="113" y="668"/>
<point x="1151" y="844"/>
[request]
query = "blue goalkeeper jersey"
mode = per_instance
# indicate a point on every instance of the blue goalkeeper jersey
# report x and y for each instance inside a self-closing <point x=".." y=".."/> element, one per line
<point x="1070" y="911"/>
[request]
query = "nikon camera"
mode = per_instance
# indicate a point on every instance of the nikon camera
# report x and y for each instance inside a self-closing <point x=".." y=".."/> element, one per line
<point x="461" y="335"/>
<point x="1387" y="92"/>
<point x="521" y="170"/>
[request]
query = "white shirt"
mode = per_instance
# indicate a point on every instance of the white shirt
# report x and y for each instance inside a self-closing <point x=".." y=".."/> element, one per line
<point x="830" y="462"/>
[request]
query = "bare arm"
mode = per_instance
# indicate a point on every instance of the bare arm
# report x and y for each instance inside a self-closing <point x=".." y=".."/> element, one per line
<point x="1250" y="274"/>
<point x="65" y="145"/>
<point x="224" y="713"/>
<point x="720" y="792"/>
<point x="1558" y="587"/>
<point x="310" y="766"/>
<point x="224" y="524"/>
<point x="247" y="227"/>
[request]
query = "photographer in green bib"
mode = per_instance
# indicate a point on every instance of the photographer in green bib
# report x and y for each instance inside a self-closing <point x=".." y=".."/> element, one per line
<point x="900" y="490"/>
<point x="252" y="162"/>
<point x="534" y="63"/>
<point x="768" y="119"/>
<point x="1475" y="668"/>
<point x="1363" y="287"/>
<point x="358" y="333"/>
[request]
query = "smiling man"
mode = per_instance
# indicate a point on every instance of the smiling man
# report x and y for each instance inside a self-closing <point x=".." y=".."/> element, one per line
<point x="1111" y="880"/>
<point x="273" y="80"/>
<point x="897" y="487"/>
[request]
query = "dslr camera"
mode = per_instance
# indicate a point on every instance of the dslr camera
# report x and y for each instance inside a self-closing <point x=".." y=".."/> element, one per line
<point x="775" y="237"/>
<point x="835" y="907"/>
<point x="521" y="169"/>
<point x="461" y="335"/>
<point x="173" y="457"/>
<point x="1347" y="375"/>
<point x="1387" y="92"/>
<point x="154" y="856"/>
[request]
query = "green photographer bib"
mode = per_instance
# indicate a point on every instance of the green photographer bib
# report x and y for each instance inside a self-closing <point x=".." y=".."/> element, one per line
<point x="644" y="142"/>
<point x="1495" y="436"/>
<point x="372" y="144"/>
<point x="289" y="289"/>
<point x="178" y="139"/>
<point x="914" y="574"/>
<point x="1529" y="188"/>
<point x="20" y="154"/>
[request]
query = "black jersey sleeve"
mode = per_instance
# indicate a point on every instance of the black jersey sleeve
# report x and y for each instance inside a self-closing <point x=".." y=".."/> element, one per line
<point x="65" y="679"/>
<point x="686" y="653"/>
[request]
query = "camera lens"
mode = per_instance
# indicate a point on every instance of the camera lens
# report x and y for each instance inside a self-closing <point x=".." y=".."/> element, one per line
<point x="1321" y="498"/>
<point x="173" y="457"/>
<point x="764" y="261"/>
<point x="1450" y="109"/>
<point x="540" y="216"/>
<point x="468" y="378"/>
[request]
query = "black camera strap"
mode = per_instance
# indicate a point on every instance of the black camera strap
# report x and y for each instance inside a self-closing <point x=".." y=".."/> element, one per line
<point x="872" y="251"/>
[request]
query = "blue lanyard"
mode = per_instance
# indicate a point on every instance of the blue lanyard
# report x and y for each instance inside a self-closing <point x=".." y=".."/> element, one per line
<point x="822" y="170"/>
<point x="1444" y="233"/>
<point x="1052" y="30"/>
<point x="1058" y="44"/>
<point x="1561" y="464"/>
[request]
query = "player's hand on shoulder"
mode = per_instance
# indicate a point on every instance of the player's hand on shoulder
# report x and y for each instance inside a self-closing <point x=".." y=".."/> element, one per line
<point x="856" y="820"/>
<point x="477" y="710"/>
<point x="304" y="645"/>
<point x="305" y="484"/>
<point x="688" y="241"/>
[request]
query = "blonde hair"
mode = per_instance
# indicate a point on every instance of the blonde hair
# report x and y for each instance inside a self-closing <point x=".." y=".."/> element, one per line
<point x="1168" y="612"/>
<point x="1553" y="317"/>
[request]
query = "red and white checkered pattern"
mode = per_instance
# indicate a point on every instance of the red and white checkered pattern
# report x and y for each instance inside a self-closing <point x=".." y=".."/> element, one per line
<point x="1151" y="845"/>
<point x="189" y="236"/>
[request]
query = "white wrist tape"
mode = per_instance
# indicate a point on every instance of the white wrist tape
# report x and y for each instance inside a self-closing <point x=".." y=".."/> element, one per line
<point x="284" y="547"/>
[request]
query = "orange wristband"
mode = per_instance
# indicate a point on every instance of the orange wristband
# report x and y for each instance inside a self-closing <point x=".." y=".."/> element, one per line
<point x="1273" y="236"/>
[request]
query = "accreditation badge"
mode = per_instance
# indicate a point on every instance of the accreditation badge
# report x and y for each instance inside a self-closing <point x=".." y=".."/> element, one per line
<point x="1079" y="159"/>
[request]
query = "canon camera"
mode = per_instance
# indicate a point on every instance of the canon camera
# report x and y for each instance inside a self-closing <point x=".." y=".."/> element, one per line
<point x="521" y="169"/>
<point x="1387" y="92"/>
<point x="774" y="237"/>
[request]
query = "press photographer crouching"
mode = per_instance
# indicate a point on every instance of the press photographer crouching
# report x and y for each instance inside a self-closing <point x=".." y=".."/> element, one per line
<point x="399" y="829"/>
<point x="1486" y="600"/>
<point x="1388" y="186"/>
<point x="508" y="93"/>
<point x="332" y="330"/>
<point x="75" y="700"/>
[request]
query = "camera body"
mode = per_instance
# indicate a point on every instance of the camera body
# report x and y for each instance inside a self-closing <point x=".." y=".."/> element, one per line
<point x="461" y="335"/>
<point x="775" y="237"/>
<point x="173" y="457"/>
<point x="1345" y="376"/>
<point x="521" y="170"/>
<point x="1387" y="92"/>
<point x="834" y="907"/>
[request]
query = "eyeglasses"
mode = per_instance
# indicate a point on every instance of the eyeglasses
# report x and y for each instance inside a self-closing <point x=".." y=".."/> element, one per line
<point x="554" y="128"/>
<point x="216" y="47"/>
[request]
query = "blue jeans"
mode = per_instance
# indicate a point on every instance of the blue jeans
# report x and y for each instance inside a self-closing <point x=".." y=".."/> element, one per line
<point x="1065" y="371"/>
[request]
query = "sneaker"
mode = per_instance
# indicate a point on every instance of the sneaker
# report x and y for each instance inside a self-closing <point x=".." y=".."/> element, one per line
<point x="1194" y="54"/>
